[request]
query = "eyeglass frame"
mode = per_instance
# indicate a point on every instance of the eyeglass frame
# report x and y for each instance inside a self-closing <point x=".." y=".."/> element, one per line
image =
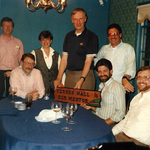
<point x="28" y="63"/>
<point x="142" y="77"/>
<point x="114" y="34"/>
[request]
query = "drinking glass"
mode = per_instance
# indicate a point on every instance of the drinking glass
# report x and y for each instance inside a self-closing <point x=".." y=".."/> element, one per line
<point x="56" y="107"/>
<point x="28" y="101"/>
<point x="47" y="94"/>
<point x="66" y="113"/>
<point x="12" y="91"/>
<point x="74" y="107"/>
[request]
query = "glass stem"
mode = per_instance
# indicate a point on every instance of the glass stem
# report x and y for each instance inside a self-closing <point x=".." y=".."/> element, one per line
<point x="67" y="122"/>
<point x="56" y="116"/>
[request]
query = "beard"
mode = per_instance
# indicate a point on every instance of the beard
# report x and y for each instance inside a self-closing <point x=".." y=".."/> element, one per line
<point x="143" y="88"/>
<point x="104" y="78"/>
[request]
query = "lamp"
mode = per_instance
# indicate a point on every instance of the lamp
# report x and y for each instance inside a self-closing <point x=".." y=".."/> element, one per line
<point x="46" y="4"/>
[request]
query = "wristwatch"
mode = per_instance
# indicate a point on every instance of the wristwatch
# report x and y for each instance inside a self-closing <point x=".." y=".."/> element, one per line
<point x="125" y="78"/>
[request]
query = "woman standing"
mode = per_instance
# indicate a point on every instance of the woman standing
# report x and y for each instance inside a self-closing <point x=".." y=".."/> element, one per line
<point x="47" y="60"/>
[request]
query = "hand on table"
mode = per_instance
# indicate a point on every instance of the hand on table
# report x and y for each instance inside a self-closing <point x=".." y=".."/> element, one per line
<point x="35" y="95"/>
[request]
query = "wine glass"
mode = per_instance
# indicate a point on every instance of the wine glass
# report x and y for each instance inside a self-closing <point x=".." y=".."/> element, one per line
<point x="74" y="107"/>
<point x="12" y="91"/>
<point x="56" y="107"/>
<point x="66" y="113"/>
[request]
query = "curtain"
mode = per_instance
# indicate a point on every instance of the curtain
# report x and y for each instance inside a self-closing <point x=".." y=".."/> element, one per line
<point x="143" y="13"/>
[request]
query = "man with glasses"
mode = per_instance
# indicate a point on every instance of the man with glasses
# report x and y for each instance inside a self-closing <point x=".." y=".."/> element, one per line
<point x="121" y="55"/>
<point x="135" y="127"/>
<point x="11" y="50"/>
<point x="27" y="79"/>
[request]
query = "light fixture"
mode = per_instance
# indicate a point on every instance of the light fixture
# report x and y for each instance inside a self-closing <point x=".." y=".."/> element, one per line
<point x="45" y="4"/>
<point x="101" y="2"/>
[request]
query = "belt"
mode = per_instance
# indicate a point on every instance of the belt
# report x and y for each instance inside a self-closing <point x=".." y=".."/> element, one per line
<point x="126" y="135"/>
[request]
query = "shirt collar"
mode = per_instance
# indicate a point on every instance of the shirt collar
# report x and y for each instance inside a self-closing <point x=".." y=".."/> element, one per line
<point x="117" y="45"/>
<point x="5" y="39"/>
<point x="81" y="32"/>
<point x="51" y="52"/>
<point x="25" y="73"/>
<point x="102" y="85"/>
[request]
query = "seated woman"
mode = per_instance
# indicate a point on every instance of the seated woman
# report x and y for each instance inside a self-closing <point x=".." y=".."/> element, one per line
<point x="47" y="60"/>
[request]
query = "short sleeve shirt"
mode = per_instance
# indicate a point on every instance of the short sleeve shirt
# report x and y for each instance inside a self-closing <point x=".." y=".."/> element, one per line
<point x="78" y="47"/>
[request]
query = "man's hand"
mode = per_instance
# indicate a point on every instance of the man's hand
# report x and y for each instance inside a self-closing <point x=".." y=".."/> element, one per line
<point x="35" y="95"/>
<point x="127" y="85"/>
<point x="79" y="84"/>
<point x="7" y="74"/>
<point x="88" y="107"/>
<point x="57" y="83"/>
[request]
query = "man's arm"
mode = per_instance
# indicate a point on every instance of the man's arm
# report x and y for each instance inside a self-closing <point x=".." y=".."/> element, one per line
<point x="130" y="69"/>
<point x="127" y="85"/>
<point x="62" y="67"/>
<point x="85" y="71"/>
<point x="40" y="89"/>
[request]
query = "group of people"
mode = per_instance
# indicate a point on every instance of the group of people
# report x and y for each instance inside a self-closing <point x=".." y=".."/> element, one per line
<point x="43" y="70"/>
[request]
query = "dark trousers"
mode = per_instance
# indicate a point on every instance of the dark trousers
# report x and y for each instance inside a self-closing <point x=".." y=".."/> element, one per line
<point x="4" y="84"/>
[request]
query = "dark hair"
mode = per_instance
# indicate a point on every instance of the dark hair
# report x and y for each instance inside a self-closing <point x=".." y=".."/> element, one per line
<point x="8" y="20"/>
<point x="27" y="55"/>
<point x="103" y="62"/>
<point x="78" y="9"/>
<point x="114" y="25"/>
<point x="143" y="69"/>
<point x="45" y="34"/>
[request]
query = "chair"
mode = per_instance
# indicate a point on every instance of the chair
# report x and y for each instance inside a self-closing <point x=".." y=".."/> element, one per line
<point x="6" y="85"/>
<point x="127" y="98"/>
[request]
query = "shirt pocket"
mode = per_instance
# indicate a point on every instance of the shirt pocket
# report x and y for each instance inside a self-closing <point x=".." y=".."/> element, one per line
<point x="107" y="98"/>
<point x="16" y="49"/>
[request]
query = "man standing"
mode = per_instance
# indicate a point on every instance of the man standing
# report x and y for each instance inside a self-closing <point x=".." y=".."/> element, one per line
<point x="121" y="55"/>
<point x="112" y="108"/>
<point x="135" y="127"/>
<point x="80" y="47"/>
<point x="28" y="80"/>
<point x="11" y="50"/>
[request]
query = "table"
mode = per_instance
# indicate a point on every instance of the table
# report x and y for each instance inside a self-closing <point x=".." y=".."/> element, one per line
<point x="20" y="131"/>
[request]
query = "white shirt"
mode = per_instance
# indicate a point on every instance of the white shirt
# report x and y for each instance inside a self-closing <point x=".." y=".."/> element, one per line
<point x="26" y="84"/>
<point x="48" y="60"/>
<point x="137" y="121"/>
<point x="122" y="58"/>
<point x="113" y="101"/>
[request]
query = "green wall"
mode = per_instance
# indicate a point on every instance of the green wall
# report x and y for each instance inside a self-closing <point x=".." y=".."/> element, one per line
<point x="124" y="12"/>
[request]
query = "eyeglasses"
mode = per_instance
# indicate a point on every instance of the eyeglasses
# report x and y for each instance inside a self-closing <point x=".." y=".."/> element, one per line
<point x="113" y="34"/>
<point x="7" y="26"/>
<point x="144" y="77"/>
<point x="28" y="63"/>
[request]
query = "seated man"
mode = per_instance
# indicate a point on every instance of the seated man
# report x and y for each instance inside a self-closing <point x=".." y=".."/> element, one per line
<point x="27" y="79"/>
<point x="135" y="127"/>
<point x="112" y="108"/>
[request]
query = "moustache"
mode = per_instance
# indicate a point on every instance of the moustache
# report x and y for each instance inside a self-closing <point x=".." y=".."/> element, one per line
<point x="103" y="76"/>
<point x="29" y="68"/>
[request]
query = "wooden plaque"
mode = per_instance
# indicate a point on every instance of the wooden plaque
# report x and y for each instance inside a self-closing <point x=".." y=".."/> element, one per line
<point x="78" y="96"/>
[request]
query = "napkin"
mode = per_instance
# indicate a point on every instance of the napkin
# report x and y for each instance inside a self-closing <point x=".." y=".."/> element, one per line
<point x="48" y="115"/>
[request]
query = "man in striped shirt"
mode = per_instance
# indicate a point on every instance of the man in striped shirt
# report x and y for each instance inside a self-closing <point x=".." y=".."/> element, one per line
<point x="112" y="108"/>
